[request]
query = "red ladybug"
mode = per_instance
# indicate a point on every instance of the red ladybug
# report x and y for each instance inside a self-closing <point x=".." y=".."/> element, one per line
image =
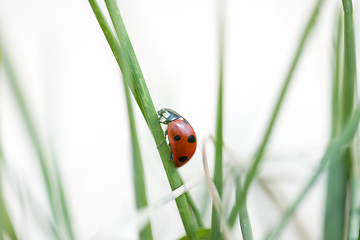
<point x="182" y="138"/>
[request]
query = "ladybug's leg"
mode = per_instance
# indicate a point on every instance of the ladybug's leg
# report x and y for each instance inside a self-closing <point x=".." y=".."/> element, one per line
<point x="166" y="133"/>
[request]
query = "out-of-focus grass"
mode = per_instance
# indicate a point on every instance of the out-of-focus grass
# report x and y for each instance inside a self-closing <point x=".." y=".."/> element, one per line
<point x="52" y="181"/>
<point x="339" y="155"/>
<point x="6" y="226"/>
<point x="335" y="196"/>
<point x="257" y="159"/>
<point x="218" y="168"/>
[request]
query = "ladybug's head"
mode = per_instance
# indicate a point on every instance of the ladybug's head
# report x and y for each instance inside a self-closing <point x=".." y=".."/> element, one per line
<point x="168" y="114"/>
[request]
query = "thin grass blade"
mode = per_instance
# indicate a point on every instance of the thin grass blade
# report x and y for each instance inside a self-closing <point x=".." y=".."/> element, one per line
<point x="138" y="168"/>
<point x="261" y="149"/>
<point x="218" y="169"/>
<point x="336" y="193"/>
<point x="348" y="98"/>
<point x="245" y="223"/>
<point x="333" y="152"/>
<point x="6" y="225"/>
<point x="50" y="183"/>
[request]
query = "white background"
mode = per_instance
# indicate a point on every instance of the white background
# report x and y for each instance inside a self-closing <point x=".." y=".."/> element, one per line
<point x="73" y="86"/>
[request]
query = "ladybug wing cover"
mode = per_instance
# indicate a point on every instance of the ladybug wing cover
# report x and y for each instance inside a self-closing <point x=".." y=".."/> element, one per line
<point x="182" y="139"/>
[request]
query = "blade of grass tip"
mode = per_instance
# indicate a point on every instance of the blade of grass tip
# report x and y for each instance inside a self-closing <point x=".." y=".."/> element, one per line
<point x="245" y="224"/>
<point x="138" y="168"/>
<point x="334" y="152"/>
<point x="35" y="140"/>
<point x="148" y="108"/>
<point x="261" y="150"/>
<point x="349" y="95"/>
<point x="218" y="169"/>
<point x="336" y="192"/>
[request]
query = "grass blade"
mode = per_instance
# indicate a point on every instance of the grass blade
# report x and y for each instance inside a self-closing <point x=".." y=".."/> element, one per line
<point x="349" y="95"/>
<point x="334" y="152"/>
<point x="336" y="193"/>
<point x="50" y="183"/>
<point x="146" y="104"/>
<point x="6" y="225"/>
<point x="138" y="168"/>
<point x="261" y="150"/>
<point x="218" y="169"/>
<point x="195" y="211"/>
<point x="245" y="224"/>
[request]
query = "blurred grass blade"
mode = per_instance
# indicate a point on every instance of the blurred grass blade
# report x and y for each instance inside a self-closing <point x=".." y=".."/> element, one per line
<point x="61" y="195"/>
<point x="349" y="94"/>
<point x="218" y="169"/>
<point x="245" y="224"/>
<point x="6" y="225"/>
<point x="146" y="104"/>
<point x="50" y="184"/>
<point x="333" y="152"/>
<point x="195" y="211"/>
<point x="138" y="168"/>
<point x="261" y="150"/>
<point x="336" y="192"/>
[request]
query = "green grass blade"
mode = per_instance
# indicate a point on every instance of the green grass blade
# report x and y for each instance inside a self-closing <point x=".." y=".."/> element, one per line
<point x="333" y="152"/>
<point x="6" y="225"/>
<point x="349" y="94"/>
<point x="218" y="169"/>
<point x="336" y="193"/>
<point x="147" y="106"/>
<point x="261" y="150"/>
<point x="50" y="183"/>
<point x="138" y="168"/>
<point x="335" y="103"/>
<point x="195" y="211"/>
<point x="62" y="198"/>
<point x="245" y="224"/>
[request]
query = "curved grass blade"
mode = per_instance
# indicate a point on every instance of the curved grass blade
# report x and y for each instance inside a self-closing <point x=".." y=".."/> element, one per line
<point x="334" y="152"/>
<point x="261" y="150"/>
<point x="218" y="169"/>
<point x="146" y="104"/>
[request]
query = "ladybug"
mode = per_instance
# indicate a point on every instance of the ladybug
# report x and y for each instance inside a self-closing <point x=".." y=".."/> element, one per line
<point x="181" y="135"/>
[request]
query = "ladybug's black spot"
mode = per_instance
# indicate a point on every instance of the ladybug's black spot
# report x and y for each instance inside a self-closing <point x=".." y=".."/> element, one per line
<point x="177" y="138"/>
<point x="191" y="139"/>
<point x="183" y="158"/>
